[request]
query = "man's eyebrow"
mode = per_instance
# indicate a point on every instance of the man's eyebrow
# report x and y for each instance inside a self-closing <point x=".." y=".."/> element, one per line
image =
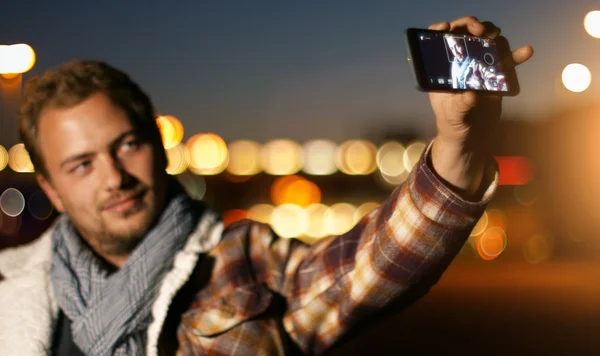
<point x="122" y="136"/>
<point x="75" y="158"/>
<point x="85" y="155"/>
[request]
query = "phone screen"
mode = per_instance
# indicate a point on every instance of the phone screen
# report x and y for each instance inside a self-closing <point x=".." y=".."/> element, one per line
<point x="460" y="62"/>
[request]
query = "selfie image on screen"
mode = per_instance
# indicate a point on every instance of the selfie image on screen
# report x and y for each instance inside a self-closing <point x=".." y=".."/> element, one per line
<point x="462" y="62"/>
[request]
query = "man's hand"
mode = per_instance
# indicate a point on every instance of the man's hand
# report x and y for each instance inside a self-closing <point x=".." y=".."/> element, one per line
<point x="466" y="121"/>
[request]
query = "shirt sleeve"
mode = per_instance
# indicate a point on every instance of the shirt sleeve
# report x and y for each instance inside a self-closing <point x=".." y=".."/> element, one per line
<point x="332" y="284"/>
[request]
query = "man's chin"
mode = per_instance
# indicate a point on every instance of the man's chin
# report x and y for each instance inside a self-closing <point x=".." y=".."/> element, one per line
<point x="134" y="222"/>
<point x="125" y="238"/>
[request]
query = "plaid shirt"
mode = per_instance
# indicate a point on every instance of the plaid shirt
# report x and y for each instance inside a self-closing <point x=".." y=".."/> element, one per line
<point x="329" y="286"/>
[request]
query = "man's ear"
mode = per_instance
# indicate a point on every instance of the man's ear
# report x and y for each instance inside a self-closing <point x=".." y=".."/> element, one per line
<point x="51" y="193"/>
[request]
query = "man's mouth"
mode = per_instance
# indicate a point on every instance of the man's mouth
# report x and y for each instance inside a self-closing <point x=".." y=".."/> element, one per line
<point x="124" y="204"/>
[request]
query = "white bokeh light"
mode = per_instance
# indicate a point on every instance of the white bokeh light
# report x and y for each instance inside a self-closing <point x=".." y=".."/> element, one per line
<point x="319" y="157"/>
<point x="576" y="77"/>
<point x="12" y="202"/>
<point x="591" y="22"/>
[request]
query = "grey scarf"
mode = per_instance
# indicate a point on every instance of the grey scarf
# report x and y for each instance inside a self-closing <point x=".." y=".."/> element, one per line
<point x="110" y="313"/>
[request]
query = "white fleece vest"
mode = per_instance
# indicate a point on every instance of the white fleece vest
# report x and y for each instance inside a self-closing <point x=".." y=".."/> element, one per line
<point x="28" y="307"/>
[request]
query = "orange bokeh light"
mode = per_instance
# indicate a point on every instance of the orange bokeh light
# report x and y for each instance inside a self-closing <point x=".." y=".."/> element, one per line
<point x="496" y="218"/>
<point x="491" y="244"/>
<point x="233" y="216"/>
<point x="170" y="129"/>
<point x="295" y="190"/>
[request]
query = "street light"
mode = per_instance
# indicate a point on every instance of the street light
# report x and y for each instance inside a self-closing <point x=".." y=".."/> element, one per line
<point x="16" y="59"/>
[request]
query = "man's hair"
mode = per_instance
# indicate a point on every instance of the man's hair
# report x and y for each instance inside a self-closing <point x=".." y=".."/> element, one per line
<point x="71" y="84"/>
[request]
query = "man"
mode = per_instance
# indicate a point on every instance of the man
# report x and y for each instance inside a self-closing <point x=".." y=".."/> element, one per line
<point x="470" y="73"/>
<point x="135" y="266"/>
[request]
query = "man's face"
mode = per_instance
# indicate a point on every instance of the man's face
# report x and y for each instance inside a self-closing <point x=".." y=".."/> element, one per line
<point x="102" y="172"/>
<point x="457" y="48"/>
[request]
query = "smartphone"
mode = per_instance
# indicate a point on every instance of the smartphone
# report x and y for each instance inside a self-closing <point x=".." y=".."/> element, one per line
<point x="450" y="62"/>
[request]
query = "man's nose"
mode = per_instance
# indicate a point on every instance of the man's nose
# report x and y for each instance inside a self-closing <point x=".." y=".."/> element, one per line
<point x="115" y="175"/>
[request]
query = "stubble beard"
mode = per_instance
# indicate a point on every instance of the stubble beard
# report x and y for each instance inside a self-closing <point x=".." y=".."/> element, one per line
<point x="109" y="242"/>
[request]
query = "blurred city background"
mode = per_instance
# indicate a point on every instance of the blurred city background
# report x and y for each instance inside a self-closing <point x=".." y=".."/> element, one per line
<point x="307" y="121"/>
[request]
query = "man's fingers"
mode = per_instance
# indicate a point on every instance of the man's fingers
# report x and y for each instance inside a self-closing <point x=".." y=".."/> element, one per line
<point x="442" y="26"/>
<point x="468" y="24"/>
<point x="522" y="54"/>
<point x="491" y="30"/>
<point x="464" y="22"/>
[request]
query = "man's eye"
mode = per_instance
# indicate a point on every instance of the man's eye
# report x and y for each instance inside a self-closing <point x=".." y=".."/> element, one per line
<point x="81" y="166"/>
<point x="131" y="144"/>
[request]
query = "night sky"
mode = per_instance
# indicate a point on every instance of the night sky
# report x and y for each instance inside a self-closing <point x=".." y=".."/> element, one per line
<point x="304" y="69"/>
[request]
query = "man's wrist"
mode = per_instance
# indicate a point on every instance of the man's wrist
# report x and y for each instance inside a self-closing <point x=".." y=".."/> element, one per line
<point x="460" y="167"/>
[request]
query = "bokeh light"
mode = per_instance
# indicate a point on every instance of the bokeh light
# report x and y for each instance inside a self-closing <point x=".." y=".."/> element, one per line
<point x="281" y="157"/>
<point x="340" y="218"/>
<point x="390" y="159"/>
<point x="360" y="157"/>
<point x="170" y="129"/>
<point x="356" y="157"/>
<point x="538" y="248"/>
<point x="289" y="220"/>
<point x="340" y="157"/>
<point x="12" y="202"/>
<point x="233" y="178"/>
<point x="591" y="23"/>
<point x="393" y="181"/>
<point x="280" y="185"/>
<point x="295" y="190"/>
<point x="496" y="218"/>
<point x="209" y="154"/>
<point x="244" y="158"/>
<point x="178" y="159"/>
<point x="412" y="154"/>
<point x="195" y="186"/>
<point x="481" y="225"/>
<point x="17" y="58"/>
<point x="234" y="215"/>
<point x="18" y="159"/>
<point x="316" y="224"/>
<point x="526" y="194"/>
<point x="576" y="77"/>
<point x="39" y="206"/>
<point x="363" y="210"/>
<point x="319" y="157"/>
<point x="3" y="157"/>
<point x="261" y="213"/>
<point x="491" y="243"/>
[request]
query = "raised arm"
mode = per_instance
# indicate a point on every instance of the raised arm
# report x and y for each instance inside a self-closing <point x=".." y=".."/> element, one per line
<point x="333" y="284"/>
